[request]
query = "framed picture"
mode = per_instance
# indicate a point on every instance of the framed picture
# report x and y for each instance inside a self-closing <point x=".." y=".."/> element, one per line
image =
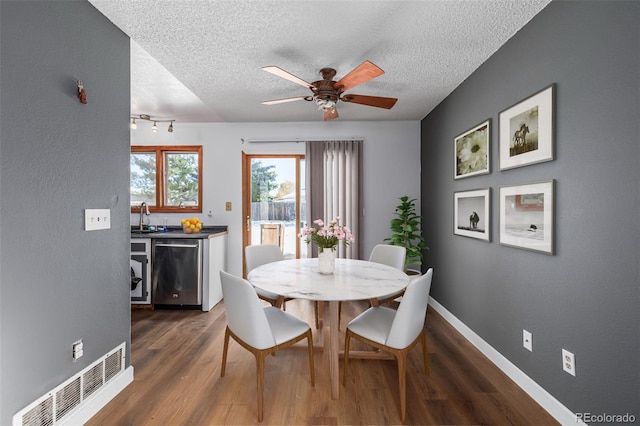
<point x="526" y="216"/>
<point x="527" y="131"/>
<point x="471" y="214"/>
<point x="471" y="151"/>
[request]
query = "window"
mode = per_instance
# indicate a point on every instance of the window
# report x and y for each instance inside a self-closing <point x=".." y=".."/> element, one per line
<point x="167" y="178"/>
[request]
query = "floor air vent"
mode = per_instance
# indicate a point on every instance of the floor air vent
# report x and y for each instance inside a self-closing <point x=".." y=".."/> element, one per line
<point x="52" y="408"/>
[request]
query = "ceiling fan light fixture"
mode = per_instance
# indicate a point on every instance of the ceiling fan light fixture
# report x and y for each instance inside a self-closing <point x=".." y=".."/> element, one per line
<point x="133" y="124"/>
<point x="327" y="93"/>
<point x="325" y="104"/>
<point x="170" y="129"/>
<point x="154" y="127"/>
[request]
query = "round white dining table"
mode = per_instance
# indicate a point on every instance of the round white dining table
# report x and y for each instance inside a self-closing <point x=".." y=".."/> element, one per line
<point x="352" y="280"/>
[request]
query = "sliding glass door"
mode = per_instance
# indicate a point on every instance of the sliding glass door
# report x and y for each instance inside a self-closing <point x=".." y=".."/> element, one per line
<point x="274" y="204"/>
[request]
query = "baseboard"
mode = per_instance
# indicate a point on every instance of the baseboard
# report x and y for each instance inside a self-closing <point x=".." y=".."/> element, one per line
<point x="96" y="402"/>
<point x="554" y="407"/>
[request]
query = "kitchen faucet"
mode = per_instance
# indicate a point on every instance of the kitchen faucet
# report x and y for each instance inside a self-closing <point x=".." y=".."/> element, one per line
<point x="144" y="209"/>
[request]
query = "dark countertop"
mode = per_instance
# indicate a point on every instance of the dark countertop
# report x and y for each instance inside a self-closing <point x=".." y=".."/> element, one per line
<point x="177" y="232"/>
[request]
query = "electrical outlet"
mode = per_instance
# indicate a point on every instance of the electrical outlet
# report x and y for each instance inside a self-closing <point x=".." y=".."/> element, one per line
<point x="227" y="206"/>
<point x="77" y="350"/>
<point x="95" y="219"/>
<point x="568" y="362"/>
<point x="527" y="340"/>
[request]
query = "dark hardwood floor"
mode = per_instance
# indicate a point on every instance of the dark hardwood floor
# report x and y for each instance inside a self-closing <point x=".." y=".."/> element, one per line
<point x="177" y="354"/>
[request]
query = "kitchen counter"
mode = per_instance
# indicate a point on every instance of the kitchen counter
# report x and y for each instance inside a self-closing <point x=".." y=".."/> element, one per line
<point x="177" y="232"/>
<point x="212" y="241"/>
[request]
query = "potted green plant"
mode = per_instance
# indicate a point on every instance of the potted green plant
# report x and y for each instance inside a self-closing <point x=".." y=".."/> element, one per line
<point x="405" y="228"/>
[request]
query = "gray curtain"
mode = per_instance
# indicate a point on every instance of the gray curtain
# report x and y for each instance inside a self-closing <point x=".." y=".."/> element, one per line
<point x="334" y="188"/>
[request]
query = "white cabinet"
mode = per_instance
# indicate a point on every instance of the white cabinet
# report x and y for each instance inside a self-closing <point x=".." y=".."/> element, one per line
<point x="215" y="260"/>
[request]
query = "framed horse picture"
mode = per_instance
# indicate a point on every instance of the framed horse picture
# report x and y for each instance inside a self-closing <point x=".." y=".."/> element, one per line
<point x="472" y="151"/>
<point x="471" y="214"/>
<point x="526" y="216"/>
<point x="527" y="130"/>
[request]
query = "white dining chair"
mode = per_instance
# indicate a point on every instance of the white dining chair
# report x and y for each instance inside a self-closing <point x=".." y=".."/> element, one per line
<point x="393" y="256"/>
<point x="257" y="255"/>
<point x="395" y="331"/>
<point x="260" y="330"/>
<point x="389" y="255"/>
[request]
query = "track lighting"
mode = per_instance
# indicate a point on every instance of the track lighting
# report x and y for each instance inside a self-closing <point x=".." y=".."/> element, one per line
<point x="154" y="128"/>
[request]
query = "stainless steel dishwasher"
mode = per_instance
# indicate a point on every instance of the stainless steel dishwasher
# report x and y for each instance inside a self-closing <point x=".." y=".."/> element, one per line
<point x="177" y="273"/>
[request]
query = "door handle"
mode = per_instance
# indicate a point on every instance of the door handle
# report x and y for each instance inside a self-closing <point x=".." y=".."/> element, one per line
<point x="248" y="223"/>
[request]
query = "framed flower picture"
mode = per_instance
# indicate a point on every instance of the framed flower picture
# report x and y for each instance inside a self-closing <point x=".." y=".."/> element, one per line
<point x="526" y="216"/>
<point x="471" y="213"/>
<point x="471" y="151"/>
<point x="526" y="131"/>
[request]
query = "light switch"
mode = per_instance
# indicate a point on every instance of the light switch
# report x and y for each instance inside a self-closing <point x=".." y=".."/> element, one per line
<point x="95" y="219"/>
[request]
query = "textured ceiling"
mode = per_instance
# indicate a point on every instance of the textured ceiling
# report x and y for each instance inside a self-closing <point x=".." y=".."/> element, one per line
<point x="200" y="61"/>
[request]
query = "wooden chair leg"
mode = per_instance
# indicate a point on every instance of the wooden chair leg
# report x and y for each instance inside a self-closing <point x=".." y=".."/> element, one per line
<point x="402" y="381"/>
<point x="260" y="374"/>
<point x="315" y="311"/>
<point x="425" y="353"/>
<point x="224" y="352"/>
<point x="311" y="366"/>
<point x="345" y="366"/>
<point x="279" y="303"/>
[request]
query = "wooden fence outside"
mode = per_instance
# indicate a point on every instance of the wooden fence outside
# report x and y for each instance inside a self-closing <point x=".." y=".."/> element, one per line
<point x="284" y="211"/>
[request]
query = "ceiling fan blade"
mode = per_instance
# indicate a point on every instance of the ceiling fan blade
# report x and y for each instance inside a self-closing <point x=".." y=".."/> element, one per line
<point x="364" y="72"/>
<point x="287" y="75"/>
<point x="281" y="101"/>
<point x="330" y="114"/>
<point x="374" y="101"/>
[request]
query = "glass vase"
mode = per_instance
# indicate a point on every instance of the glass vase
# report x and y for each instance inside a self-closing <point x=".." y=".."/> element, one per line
<point x="326" y="261"/>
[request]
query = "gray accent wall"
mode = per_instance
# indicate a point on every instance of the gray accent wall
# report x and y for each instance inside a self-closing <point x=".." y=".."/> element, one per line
<point x="59" y="283"/>
<point x="585" y="297"/>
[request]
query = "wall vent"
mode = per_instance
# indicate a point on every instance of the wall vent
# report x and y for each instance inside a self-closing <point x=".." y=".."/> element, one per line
<point x="55" y="406"/>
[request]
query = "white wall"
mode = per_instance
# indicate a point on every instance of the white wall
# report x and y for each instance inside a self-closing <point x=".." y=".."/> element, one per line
<point x="391" y="167"/>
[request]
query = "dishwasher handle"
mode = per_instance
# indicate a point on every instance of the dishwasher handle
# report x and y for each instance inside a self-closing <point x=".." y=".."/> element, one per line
<point x="176" y="245"/>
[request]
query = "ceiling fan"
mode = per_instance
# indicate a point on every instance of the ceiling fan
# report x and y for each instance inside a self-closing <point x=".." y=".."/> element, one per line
<point x="327" y="93"/>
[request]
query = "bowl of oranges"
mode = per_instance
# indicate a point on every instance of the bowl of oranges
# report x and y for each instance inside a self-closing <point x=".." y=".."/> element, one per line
<point x="191" y="225"/>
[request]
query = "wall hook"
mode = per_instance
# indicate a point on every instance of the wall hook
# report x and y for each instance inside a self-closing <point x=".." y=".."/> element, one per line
<point x="82" y="95"/>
